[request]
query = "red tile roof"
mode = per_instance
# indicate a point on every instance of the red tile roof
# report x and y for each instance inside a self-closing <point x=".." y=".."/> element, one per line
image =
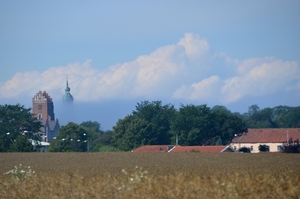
<point x="201" y="149"/>
<point x="180" y="149"/>
<point x="152" y="148"/>
<point x="268" y="135"/>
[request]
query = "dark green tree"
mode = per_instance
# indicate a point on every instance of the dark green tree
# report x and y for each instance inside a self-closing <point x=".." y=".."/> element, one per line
<point x="289" y="119"/>
<point x="149" y="124"/>
<point x="16" y="120"/>
<point x="220" y="109"/>
<point x="265" y="118"/>
<point x="104" y="142"/>
<point x="22" y="144"/>
<point x="70" y="138"/>
<point x="92" y="126"/>
<point x="105" y="148"/>
<point x="200" y="125"/>
<point x="130" y="133"/>
<point x="260" y="118"/>
<point x="194" y="125"/>
<point x="93" y="133"/>
<point x="280" y="110"/>
<point x="158" y="118"/>
<point x="226" y="125"/>
<point x="105" y="138"/>
<point x="277" y="117"/>
<point x="253" y="110"/>
<point x="252" y="116"/>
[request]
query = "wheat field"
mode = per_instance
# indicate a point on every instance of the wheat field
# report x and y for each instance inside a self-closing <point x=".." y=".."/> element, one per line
<point x="150" y="175"/>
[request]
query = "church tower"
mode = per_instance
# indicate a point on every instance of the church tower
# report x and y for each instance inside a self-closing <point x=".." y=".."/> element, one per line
<point x="67" y="97"/>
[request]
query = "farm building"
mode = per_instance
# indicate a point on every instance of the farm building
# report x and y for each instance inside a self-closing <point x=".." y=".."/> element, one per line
<point x="273" y="138"/>
<point x="183" y="149"/>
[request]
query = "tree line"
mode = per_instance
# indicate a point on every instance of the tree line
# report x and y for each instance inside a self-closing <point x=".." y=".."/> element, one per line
<point x="155" y="123"/>
<point x="151" y="123"/>
<point x="277" y="117"/>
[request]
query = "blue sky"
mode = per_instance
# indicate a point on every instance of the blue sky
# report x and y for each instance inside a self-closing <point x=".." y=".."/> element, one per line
<point x="118" y="53"/>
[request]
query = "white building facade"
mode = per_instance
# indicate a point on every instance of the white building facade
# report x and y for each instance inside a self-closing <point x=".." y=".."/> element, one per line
<point x="272" y="138"/>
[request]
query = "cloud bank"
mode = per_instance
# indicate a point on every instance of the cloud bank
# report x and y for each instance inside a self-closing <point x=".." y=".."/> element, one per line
<point x="187" y="70"/>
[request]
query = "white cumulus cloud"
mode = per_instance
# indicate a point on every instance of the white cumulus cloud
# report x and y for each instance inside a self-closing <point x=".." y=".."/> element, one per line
<point x="185" y="70"/>
<point x="261" y="76"/>
<point x="206" y="89"/>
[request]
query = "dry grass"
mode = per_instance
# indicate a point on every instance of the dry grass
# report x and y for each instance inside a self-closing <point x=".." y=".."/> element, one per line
<point x="170" y="175"/>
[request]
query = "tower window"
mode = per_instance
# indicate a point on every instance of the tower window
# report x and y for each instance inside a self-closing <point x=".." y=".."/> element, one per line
<point x="39" y="107"/>
<point x="40" y="117"/>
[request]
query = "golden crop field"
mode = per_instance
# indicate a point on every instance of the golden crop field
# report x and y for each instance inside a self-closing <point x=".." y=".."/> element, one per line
<point x="150" y="175"/>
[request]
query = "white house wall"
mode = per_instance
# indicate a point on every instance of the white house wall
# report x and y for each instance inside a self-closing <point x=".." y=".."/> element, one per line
<point x="274" y="147"/>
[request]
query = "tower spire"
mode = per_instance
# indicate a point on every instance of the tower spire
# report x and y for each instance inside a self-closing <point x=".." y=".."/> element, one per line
<point x="67" y="97"/>
<point x="67" y="85"/>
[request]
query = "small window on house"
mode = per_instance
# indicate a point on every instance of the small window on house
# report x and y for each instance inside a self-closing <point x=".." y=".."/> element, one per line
<point x="279" y="148"/>
<point x="263" y="148"/>
<point x="39" y="107"/>
<point x="251" y="148"/>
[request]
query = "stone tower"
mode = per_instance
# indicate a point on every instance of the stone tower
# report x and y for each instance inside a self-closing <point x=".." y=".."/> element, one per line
<point x="43" y="109"/>
<point x="42" y="106"/>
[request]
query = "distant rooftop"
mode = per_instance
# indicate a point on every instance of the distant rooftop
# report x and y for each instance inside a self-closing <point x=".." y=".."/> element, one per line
<point x="181" y="149"/>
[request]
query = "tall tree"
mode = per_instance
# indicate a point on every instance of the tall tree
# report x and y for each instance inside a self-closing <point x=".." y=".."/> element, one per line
<point x="104" y="142"/>
<point x="22" y="144"/>
<point x="93" y="132"/>
<point x="226" y="125"/>
<point x="290" y="119"/>
<point x="93" y="126"/>
<point x="148" y="124"/>
<point x="253" y="110"/>
<point x="265" y="118"/>
<point x="71" y="137"/>
<point x="200" y="125"/>
<point x="159" y="119"/>
<point x="193" y="125"/>
<point x="281" y="110"/>
<point x="16" y="120"/>
<point x="130" y="133"/>
<point x="260" y="118"/>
